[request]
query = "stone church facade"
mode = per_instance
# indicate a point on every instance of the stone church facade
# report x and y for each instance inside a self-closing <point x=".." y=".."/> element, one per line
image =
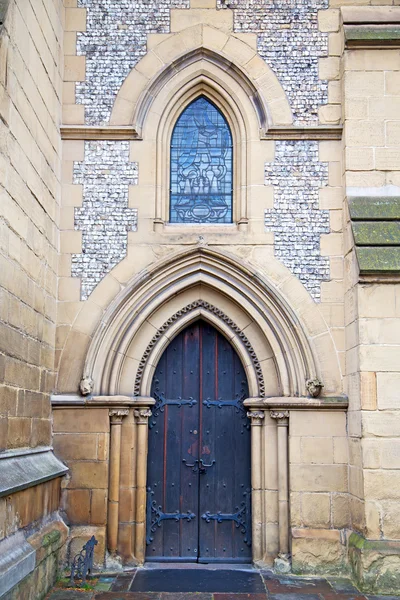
<point x="107" y="261"/>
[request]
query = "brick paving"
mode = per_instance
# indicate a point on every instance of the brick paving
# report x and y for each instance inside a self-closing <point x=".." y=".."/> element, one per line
<point x="266" y="586"/>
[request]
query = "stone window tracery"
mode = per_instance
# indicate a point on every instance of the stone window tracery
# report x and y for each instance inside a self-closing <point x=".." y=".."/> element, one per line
<point x="201" y="166"/>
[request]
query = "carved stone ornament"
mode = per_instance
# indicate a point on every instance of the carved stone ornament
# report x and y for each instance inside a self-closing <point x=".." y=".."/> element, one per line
<point x="201" y="241"/>
<point x="117" y="414"/>
<point x="142" y="415"/>
<point x="314" y="387"/>
<point x="279" y="414"/>
<point x="256" y="417"/>
<point x="221" y="315"/>
<point x="86" y="385"/>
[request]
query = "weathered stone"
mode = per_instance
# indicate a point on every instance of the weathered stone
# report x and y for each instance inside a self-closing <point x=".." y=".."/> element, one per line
<point x="378" y="259"/>
<point x="363" y="208"/>
<point x="382" y="233"/>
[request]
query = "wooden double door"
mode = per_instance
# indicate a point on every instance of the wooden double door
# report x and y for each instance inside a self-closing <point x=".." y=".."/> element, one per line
<point x="198" y="484"/>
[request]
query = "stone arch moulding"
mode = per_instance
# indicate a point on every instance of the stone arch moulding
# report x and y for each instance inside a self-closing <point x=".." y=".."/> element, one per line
<point x="193" y="310"/>
<point x="234" y="57"/>
<point x="242" y="299"/>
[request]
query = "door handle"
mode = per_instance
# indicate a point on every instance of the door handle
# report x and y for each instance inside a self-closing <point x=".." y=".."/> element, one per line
<point x="193" y="465"/>
<point x="203" y="467"/>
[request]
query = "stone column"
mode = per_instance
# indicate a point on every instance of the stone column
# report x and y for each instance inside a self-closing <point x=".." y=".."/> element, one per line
<point x="257" y="419"/>
<point x="282" y="563"/>
<point x="116" y="416"/>
<point x="141" y="418"/>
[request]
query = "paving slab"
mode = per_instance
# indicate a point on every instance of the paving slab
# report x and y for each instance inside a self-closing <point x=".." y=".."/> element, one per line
<point x="185" y="596"/>
<point x="240" y="597"/>
<point x="123" y="582"/>
<point x="128" y="596"/>
<point x="345" y="596"/>
<point x="297" y="586"/>
<point x="343" y="585"/>
<point x="70" y="595"/>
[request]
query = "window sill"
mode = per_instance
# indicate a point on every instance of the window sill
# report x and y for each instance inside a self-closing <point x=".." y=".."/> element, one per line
<point x="190" y="228"/>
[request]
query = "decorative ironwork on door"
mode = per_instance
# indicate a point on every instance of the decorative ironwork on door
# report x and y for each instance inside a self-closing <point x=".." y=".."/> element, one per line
<point x="199" y="493"/>
<point x="201" y="166"/>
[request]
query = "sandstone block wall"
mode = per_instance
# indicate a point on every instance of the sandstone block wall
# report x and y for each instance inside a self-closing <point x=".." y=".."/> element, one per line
<point x="31" y="72"/>
<point x="320" y="513"/>
<point x="30" y="86"/>
<point x="81" y="440"/>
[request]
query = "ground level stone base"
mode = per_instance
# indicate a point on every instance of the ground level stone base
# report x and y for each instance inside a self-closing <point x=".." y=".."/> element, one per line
<point x="49" y="544"/>
<point x="375" y="564"/>
<point x="270" y="587"/>
<point x="320" y="555"/>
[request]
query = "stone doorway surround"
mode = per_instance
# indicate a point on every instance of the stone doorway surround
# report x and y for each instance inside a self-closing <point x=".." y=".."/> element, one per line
<point x="276" y="351"/>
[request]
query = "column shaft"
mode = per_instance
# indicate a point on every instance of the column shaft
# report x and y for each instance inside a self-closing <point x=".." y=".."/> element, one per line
<point x="116" y="417"/>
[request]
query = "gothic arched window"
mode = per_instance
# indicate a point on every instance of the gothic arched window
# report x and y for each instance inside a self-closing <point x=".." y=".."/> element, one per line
<point x="201" y="176"/>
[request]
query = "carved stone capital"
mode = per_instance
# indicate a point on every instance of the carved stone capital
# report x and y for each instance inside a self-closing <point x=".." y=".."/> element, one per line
<point x="117" y="414"/>
<point x="142" y="415"/>
<point x="282" y="416"/>
<point x="256" y="417"/>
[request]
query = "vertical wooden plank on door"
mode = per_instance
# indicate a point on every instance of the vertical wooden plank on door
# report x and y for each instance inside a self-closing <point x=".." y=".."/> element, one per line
<point x="172" y="448"/>
<point x="242" y="453"/>
<point x="224" y="447"/>
<point x="189" y="451"/>
<point x="208" y="476"/>
<point x="155" y="469"/>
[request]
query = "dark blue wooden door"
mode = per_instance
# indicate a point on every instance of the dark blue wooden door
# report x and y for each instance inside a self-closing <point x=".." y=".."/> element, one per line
<point x="198" y="483"/>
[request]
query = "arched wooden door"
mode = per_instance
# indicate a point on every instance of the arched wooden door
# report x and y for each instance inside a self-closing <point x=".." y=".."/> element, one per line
<point x="198" y="483"/>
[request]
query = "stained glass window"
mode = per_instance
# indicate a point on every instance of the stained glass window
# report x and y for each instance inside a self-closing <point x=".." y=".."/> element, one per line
<point x="201" y="166"/>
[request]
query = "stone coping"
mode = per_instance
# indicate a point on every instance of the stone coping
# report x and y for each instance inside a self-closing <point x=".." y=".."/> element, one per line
<point x="371" y="26"/>
<point x="370" y="14"/>
<point x="376" y="229"/>
<point x="387" y="547"/>
<point x="90" y="132"/>
<point x="319" y="132"/>
<point x="296" y="403"/>
<point x="23" y="469"/>
<point x="374" y="208"/>
<point x="17" y="560"/>
<point x="77" y="401"/>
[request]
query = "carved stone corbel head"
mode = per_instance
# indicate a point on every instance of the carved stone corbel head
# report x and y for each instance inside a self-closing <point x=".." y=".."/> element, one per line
<point x="314" y="387"/>
<point x="86" y="385"/>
